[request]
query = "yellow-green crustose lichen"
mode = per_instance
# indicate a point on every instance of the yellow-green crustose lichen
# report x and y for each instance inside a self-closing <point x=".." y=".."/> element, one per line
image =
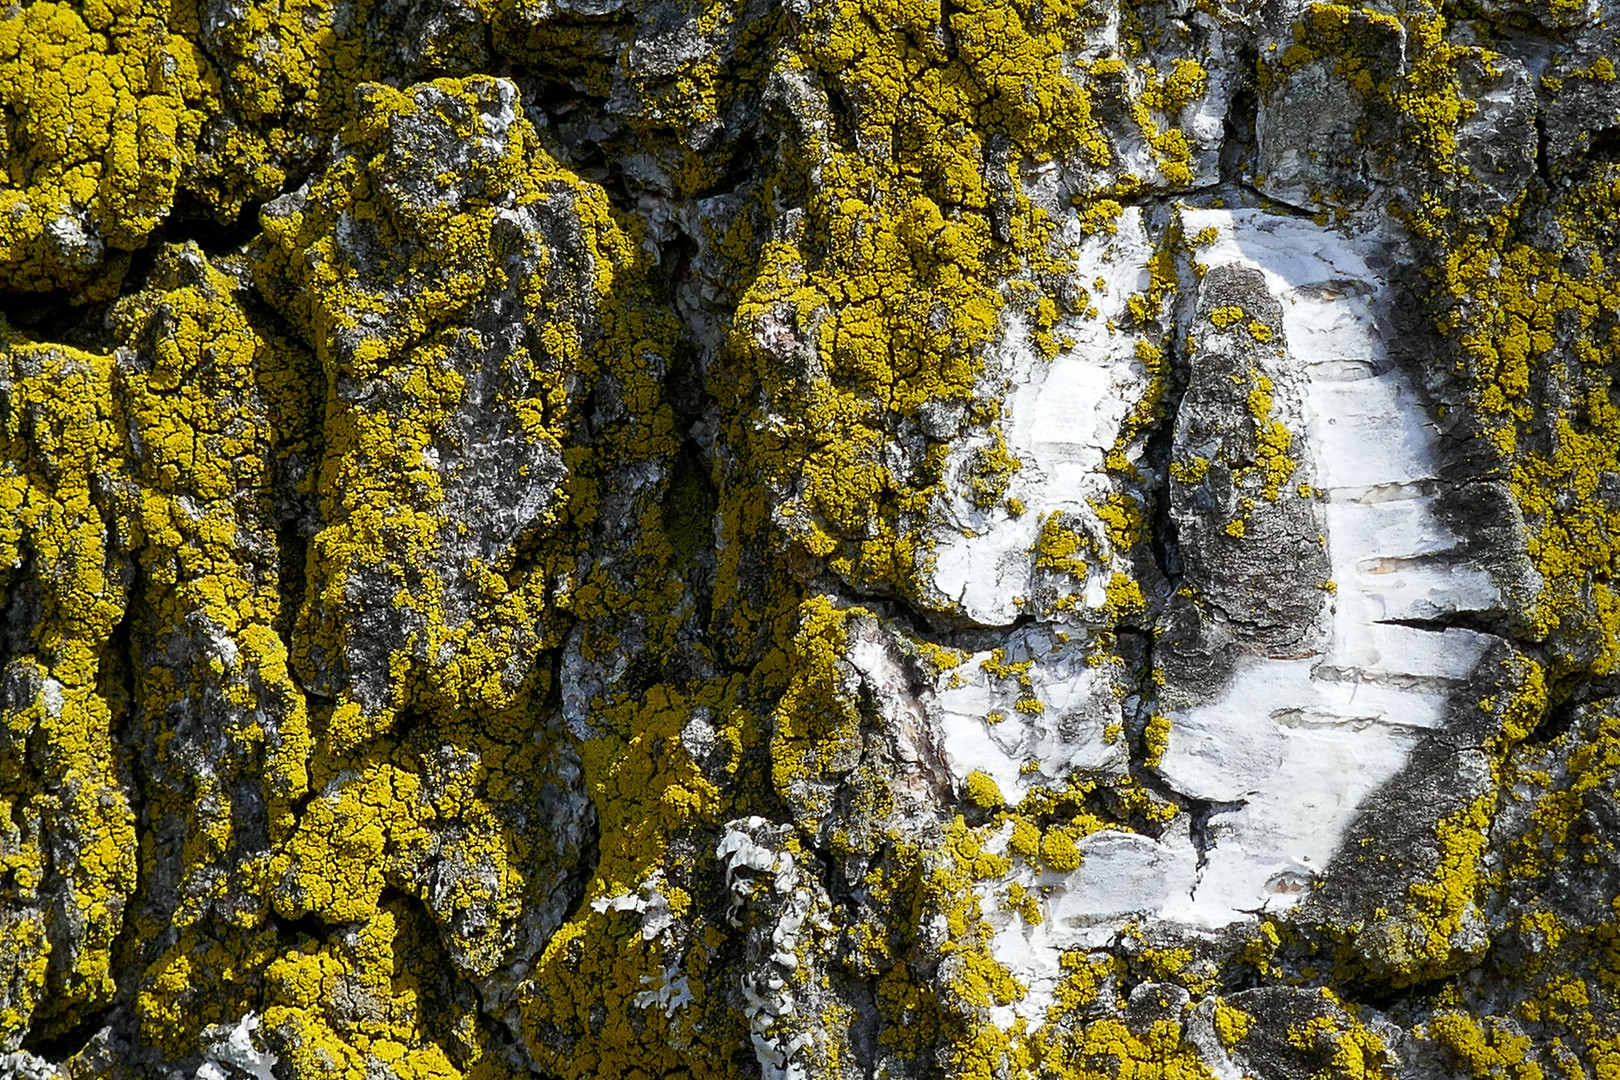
<point x="60" y="775"/>
<point x="378" y="662"/>
<point x="114" y="112"/>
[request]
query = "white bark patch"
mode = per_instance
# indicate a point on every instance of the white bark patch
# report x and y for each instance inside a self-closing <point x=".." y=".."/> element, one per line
<point x="235" y="1052"/>
<point x="1062" y="416"/>
<point x="1304" y="742"/>
<point x="1296" y="744"/>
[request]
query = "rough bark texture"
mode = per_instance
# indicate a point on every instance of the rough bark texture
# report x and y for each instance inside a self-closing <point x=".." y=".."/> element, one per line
<point x="810" y="539"/>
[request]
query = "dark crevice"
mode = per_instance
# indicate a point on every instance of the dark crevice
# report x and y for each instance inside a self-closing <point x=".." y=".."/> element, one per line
<point x="292" y="557"/>
<point x="1585" y="690"/>
<point x="54" y="316"/>
<point x="1555" y="722"/>
<point x="551" y="103"/>
<point x="63" y="316"/>
<point x="1242" y="112"/>
<point x="303" y="801"/>
<point x="590" y="856"/>
<point x="608" y="174"/>
<point x="841" y="114"/>
<point x="746" y="161"/>
<point x="949" y="13"/>
<point x="1543" y="170"/>
<point x="290" y="932"/>
<point x="940" y="629"/>
<point x="190" y="221"/>
<point x="688" y="521"/>
<point x="1458" y="620"/>
<point x="1603" y="144"/>
<point x="1136" y="722"/>
<point x="412" y="722"/>
<point x="1201" y="811"/>
<point x="58" y="1049"/>
<point x="1389" y="998"/>
<point x="829" y="869"/>
<point x="1275" y="205"/>
<point x="866" y="1029"/>
<point x="1164" y="539"/>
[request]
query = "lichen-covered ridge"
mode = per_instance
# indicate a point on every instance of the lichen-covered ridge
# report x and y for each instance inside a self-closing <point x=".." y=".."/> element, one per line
<point x="826" y="539"/>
